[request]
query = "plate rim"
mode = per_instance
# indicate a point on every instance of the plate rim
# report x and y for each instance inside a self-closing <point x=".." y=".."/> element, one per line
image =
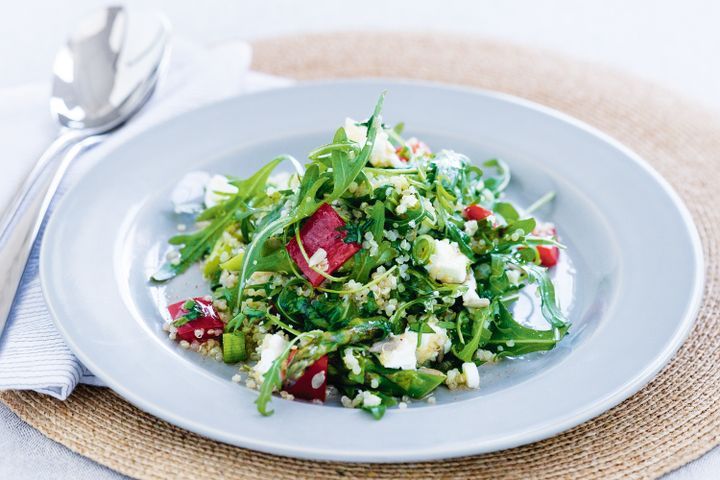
<point x="436" y="452"/>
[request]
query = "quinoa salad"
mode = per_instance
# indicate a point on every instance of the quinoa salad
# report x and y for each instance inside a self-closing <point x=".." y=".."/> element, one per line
<point x="379" y="272"/>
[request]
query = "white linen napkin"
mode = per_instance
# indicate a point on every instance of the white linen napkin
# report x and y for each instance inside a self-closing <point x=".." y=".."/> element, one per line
<point x="33" y="355"/>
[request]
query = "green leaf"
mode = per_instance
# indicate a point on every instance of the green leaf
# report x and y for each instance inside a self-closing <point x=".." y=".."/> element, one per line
<point x="366" y="263"/>
<point x="515" y="339"/>
<point x="255" y="185"/>
<point x="527" y="225"/>
<point x="501" y="180"/>
<point x="415" y="383"/>
<point x="499" y="283"/>
<point x="480" y="334"/>
<point x="461" y="238"/>
<point x="277" y="261"/>
<point x="507" y="211"/>
<point x="377" y="214"/>
<point x="549" y="306"/>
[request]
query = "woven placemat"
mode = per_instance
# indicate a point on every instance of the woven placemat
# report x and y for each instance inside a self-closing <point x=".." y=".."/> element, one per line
<point x="673" y="420"/>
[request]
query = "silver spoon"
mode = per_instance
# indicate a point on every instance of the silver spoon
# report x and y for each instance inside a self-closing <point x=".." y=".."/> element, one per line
<point x="104" y="75"/>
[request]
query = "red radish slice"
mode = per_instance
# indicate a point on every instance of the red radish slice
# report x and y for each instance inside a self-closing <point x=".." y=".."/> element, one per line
<point x="312" y="385"/>
<point x="208" y="325"/>
<point x="476" y="212"/>
<point x="321" y="231"/>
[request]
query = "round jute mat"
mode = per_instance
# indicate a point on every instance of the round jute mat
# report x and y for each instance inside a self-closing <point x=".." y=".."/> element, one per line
<point x="673" y="420"/>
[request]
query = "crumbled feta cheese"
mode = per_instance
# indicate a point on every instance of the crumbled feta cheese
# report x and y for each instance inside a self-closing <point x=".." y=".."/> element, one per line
<point x="471" y="227"/>
<point x="472" y="376"/>
<point x="447" y="264"/>
<point x="471" y="299"/>
<point x="449" y="159"/>
<point x="187" y="196"/>
<point x="402" y="351"/>
<point x="397" y="351"/>
<point x="431" y="344"/>
<point x="319" y="260"/>
<point x="383" y="153"/>
<point x="271" y="348"/>
<point x="217" y="190"/>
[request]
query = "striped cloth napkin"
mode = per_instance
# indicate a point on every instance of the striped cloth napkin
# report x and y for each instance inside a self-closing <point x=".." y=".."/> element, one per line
<point x="33" y="355"/>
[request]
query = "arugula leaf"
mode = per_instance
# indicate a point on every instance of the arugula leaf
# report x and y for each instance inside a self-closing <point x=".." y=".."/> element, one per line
<point x="549" y="306"/>
<point x="255" y="185"/>
<point x="498" y="280"/>
<point x="356" y="231"/>
<point x="463" y="240"/>
<point x="480" y="334"/>
<point x="527" y="225"/>
<point x="510" y="338"/>
<point x="507" y="211"/>
<point x="502" y="179"/>
<point x="197" y="244"/>
<point x="366" y="263"/>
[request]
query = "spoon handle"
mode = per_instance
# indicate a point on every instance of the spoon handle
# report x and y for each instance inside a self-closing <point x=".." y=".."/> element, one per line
<point x="21" y="222"/>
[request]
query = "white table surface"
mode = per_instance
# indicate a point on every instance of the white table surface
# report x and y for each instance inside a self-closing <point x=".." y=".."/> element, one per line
<point x="670" y="42"/>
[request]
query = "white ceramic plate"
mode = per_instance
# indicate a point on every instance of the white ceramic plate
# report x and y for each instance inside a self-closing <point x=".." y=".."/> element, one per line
<point x="631" y="279"/>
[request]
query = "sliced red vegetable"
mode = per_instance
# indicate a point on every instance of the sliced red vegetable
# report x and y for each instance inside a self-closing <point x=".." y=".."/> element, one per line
<point x="476" y="212"/>
<point x="208" y="322"/>
<point x="312" y="385"/>
<point x="549" y="254"/>
<point x="322" y="230"/>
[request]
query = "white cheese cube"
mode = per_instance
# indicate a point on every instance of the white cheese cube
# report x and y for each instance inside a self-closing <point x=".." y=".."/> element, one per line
<point x="472" y="376"/>
<point x="447" y="264"/>
<point x="397" y="351"/>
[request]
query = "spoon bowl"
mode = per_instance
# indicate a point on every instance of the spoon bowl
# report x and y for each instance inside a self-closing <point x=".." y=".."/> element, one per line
<point x="107" y="70"/>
